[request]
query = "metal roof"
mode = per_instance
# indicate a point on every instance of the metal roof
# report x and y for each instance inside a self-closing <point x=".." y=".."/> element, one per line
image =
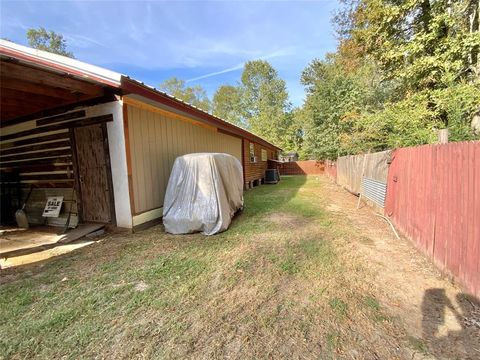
<point x="97" y="74"/>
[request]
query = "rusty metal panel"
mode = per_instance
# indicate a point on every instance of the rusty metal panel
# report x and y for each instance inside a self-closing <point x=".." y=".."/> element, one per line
<point x="433" y="197"/>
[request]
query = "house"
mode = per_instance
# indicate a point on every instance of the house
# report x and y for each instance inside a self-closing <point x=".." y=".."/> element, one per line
<point x="288" y="157"/>
<point x="104" y="141"/>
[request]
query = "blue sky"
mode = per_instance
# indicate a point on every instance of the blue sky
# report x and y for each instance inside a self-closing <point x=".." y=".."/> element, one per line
<point x="204" y="42"/>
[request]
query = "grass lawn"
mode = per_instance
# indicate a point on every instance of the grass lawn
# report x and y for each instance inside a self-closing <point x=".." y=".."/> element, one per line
<point x="281" y="282"/>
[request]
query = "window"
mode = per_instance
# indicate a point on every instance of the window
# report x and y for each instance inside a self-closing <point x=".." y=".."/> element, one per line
<point x="264" y="155"/>
<point x="253" y="158"/>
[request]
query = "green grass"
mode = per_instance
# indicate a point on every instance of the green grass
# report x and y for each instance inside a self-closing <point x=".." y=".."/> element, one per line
<point x="273" y="285"/>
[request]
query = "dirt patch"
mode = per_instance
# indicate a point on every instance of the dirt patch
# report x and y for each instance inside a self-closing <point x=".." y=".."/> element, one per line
<point x="437" y="316"/>
<point x="287" y="220"/>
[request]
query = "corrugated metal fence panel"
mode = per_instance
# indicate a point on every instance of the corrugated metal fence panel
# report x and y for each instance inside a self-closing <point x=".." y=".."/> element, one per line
<point x="349" y="169"/>
<point x="433" y="197"/>
<point x="374" y="190"/>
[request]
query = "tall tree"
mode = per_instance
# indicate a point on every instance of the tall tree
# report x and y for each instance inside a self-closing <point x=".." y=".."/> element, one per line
<point x="402" y="70"/>
<point x="194" y="95"/>
<point x="426" y="44"/>
<point x="227" y="104"/>
<point x="42" y="39"/>
<point x="265" y="101"/>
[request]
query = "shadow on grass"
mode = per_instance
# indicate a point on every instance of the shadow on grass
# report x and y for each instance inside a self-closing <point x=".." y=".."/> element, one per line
<point x="266" y="199"/>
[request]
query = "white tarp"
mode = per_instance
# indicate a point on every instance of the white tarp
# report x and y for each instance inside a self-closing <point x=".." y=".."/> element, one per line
<point x="203" y="193"/>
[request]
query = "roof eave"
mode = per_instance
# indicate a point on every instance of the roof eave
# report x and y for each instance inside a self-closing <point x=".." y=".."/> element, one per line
<point x="129" y="85"/>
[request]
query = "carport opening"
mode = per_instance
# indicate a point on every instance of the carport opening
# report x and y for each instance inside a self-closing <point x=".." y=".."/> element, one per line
<point x="49" y="147"/>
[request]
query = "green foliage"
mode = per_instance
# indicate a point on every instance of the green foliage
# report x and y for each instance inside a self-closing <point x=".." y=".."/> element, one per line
<point x="260" y="104"/>
<point x="227" y="104"/>
<point x="405" y="123"/>
<point x="265" y="101"/>
<point x="334" y="97"/>
<point x="194" y="95"/>
<point x="402" y="70"/>
<point x="42" y="39"/>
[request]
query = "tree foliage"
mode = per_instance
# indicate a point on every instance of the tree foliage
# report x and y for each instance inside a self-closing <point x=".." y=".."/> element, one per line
<point x="264" y="101"/>
<point x="42" y="39"/>
<point x="194" y="95"/>
<point x="227" y="104"/>
<point x="403" y="69"/>
<point x="259" y="103"/>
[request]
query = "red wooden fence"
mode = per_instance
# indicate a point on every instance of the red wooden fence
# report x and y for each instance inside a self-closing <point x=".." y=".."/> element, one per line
<point x="331" y="169"/>
<point x="433" y="197"/>
<point x="307" y="167"/>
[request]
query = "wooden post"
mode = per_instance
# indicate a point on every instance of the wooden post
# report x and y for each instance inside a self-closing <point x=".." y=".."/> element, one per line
<point x="361" y="179"/>
<point x="443" y="136"/>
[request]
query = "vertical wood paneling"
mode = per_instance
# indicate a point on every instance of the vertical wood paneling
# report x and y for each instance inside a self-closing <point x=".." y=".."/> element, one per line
<point x="433" y="197"/>
<point x="156" y="140"/>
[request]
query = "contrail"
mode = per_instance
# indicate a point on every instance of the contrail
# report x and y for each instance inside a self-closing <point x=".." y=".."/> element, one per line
<point x="241" y="65"/>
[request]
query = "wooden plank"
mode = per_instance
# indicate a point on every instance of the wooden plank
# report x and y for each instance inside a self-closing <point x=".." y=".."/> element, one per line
<point x="108" y="170"/>
<point x="65" y="125"/>
<point x="38" y="76"/>
<point x="56" y="110"/>
<point x="128" y="156"/>
<point x="60" y="118"/>
<point x="76" y="175"/>
<point x="47" y="185"/>
<point x="26" y="149"/>
<point x="92" y="168"/>
<point x="20" y="98"/>
<point x="49" y="177"/>
<point x="35" y="88"/>
<point x="36" y="155"/>
<point x="40" y="168"/>
<point x="35" y="140"/>
<point x="65" y="160"/>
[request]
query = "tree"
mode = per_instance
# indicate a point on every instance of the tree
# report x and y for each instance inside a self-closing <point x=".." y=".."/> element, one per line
<point x="402" y="70"/>
<point x="42" y="39"/>
<point x="227" y="105"/>
<point x="264" y="101"/>
<point x="193" y="95"/>
<point x="423" y="43"/>
<point x="336" y="97"/>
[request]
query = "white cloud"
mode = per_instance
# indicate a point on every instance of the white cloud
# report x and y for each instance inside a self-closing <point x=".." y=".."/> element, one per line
<point x="278" y="53"/>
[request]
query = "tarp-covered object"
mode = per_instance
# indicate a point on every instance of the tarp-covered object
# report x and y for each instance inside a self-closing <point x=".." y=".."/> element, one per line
<point x="203" y="193"/>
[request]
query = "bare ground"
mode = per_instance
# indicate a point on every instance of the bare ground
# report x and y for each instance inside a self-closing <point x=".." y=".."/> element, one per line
<point x="439" y="319"/>
<point x="301" y="274"/>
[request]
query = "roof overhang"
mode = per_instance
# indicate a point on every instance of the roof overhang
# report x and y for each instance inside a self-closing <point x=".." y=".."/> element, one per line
<point x="34" y="80"/>
<point x="62" y="64"/>
<point x="132" y="86"/>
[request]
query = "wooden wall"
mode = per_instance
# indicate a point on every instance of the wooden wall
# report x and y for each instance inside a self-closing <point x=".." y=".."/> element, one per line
<point x="256" y="171"/>
<point x="156" y="138"/>
<point x="433" y="197"/>
<point x="305" y="167"/>
<point x="40" y="152"/>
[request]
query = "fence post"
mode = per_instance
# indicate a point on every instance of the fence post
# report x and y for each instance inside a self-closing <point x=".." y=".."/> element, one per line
<point x="443" y="136"/>
<point x="361" y="179"/>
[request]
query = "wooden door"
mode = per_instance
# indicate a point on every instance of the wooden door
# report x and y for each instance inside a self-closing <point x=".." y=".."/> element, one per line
<point x="93" y="167"/>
